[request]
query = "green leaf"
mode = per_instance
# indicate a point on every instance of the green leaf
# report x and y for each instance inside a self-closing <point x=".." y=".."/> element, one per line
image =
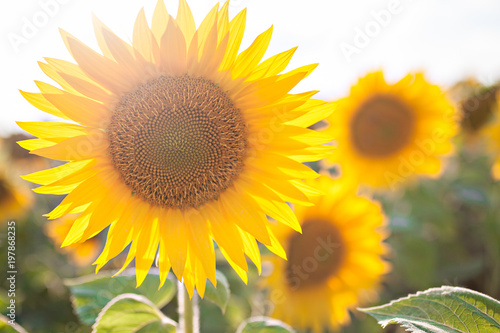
<point x="5" y="327"/>
<point x="219" y="295"/>
<point x="445" y="309"/>
<point x="91" y="293"/>
<point x="264" y="325"/>
<point x="131" y="313"/>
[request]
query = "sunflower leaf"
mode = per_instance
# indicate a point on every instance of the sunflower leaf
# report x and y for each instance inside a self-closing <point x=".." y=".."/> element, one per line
<point x="220" y="294"/>
<point x="264" y="325"/>
<point x="438" y="310"/>
<point x="132" y="313"/>
<point x="91" y="293"/>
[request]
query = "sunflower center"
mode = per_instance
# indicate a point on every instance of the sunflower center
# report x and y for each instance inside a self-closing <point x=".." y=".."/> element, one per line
<point x="177" y="141"/>
<point x="382" y="126"/>
<point x="314" y="256"/>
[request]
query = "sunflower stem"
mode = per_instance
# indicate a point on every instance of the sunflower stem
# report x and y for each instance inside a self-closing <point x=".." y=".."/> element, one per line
<point x="189" y="313"/>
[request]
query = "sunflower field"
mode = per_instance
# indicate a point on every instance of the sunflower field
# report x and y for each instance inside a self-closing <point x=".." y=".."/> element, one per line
<point x="185" y="173"/>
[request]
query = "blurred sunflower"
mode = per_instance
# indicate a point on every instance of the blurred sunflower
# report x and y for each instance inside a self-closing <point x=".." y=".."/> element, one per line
<point x="492" y="134"/>
<point x="15" y="199"/>
<point x="476" y="104"/>
<point x="389" y="133"/>
<point x="335" y="265"/>
<point x="81" y="254"/>
<point x="180" y="141"/>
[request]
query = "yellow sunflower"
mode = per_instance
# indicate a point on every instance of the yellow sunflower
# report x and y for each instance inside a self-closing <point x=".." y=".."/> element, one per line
<point x="335" y="265"/>
<point x="388" y="133"/>
<point x="179" y="141"/>
<point x="81" y="254"/>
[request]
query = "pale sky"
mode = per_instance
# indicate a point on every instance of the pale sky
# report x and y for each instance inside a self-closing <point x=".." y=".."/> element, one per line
<point x="448" y="39"/>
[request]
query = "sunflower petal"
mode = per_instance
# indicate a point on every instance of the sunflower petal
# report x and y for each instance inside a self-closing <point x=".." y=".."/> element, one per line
<point x="40" y="102"/>
<point x="185" y="21"/>
<point x="160" y="20"/>
<point x="48" y="176"/>
<point x="236" y="30"/>
<point x="105" y="71"/>
<point x="173" y="50"/>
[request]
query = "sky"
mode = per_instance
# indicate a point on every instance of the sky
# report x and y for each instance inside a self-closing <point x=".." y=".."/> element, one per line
<point x="449" y="40"/>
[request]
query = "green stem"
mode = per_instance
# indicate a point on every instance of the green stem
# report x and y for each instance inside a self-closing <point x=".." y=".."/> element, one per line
<point x="189" y="313"/>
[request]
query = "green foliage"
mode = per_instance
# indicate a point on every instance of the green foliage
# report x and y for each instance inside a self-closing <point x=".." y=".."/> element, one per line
<point x="218" y="295"/>
<point x="91" y="293"/>
<point x="5" y="327"/>
<point x="132" y="313"/>
<point x="264" y="325"/>
<point x="445" y="309"/>
<point x="446" y="230"/>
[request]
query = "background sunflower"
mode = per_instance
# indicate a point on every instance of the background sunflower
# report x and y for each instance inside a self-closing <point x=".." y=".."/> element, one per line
<point x="335" y="265"/>
<point x="387" y="133"/>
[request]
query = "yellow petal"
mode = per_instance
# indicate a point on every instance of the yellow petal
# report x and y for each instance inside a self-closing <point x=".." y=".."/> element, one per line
<point x="144" y="41"/>
<point x="240" y="271"/>
<point x="34" y="144"/>
<point x="185" y="21"/>
<point x="54" y="75"/>
<point x="147" y="244"/>
<point x="226" y="235"/>
<point x="76" y="148"/>
<point x="248" y="59"/>
<point x="68" y="183"/>
<point x="160" y="20"/>
<point x="48" y="176"/>
<point x="202" y="244"/>
<point x="173" y="50"/>
<point x="52" y="129"/>
<point x="40" y="102"/>
<point x="250" y="220"/>
<point x="266" y="91"/>
<point x="173" y="235"/>
<point x="77" y="229"/>
<point x="236" y="30"/>
<point x="105" y="71"/>
<point x="80" y="109"/>
<point x="81" y="196"/>
<point x="251" y="249"/>
<point x="275" y="246"/>
<point x="99" y="27"/>
<point x="272" y="66"/>
<point x="201" y="278"/>
<point x="223" y="22"/>
<point x="163" y="263"/>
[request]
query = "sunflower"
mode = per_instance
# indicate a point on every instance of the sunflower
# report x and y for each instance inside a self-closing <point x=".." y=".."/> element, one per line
<point x="81" y="254"/>
<point x="334" y="265"/>
<point x="476" y="104"/>
<point x="388" y="133"/>
<point x="177" y="141"/>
